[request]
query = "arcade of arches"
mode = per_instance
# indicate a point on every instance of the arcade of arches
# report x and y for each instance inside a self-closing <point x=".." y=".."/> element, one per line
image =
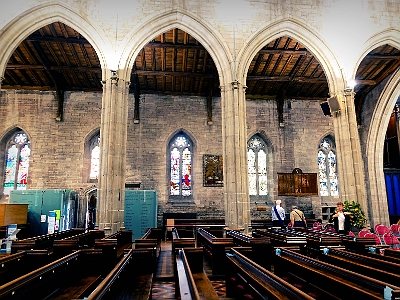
<point x="159" y="95"/>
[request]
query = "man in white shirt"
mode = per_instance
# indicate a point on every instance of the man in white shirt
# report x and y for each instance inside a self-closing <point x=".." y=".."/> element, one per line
<point x="278" y="214"/>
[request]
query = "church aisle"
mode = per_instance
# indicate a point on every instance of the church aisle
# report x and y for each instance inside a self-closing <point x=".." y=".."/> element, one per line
<point x="163" y="282"/>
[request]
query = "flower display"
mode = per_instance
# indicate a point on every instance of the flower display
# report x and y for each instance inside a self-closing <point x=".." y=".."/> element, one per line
<point x="357" y="216"/>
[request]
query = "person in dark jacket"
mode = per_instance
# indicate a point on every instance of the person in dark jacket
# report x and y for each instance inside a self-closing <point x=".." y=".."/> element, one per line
<point x="341" y="219"/>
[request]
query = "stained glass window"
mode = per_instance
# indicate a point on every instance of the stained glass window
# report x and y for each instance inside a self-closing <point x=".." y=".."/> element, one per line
<point x="257" y="166"/>
<point x="327" y="169"/>
<point x="17" y="163"/>
<point x="95" y="157"/>
<point x="180" y="166"/>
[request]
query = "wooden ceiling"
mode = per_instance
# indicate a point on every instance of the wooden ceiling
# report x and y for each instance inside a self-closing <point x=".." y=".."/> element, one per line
<point x="57" y="57"/>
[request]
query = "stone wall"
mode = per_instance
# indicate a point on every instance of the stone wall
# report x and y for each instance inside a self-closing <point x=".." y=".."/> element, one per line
<point x="58" y="148"/>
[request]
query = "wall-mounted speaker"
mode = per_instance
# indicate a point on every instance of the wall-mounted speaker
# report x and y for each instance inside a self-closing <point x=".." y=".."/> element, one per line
<point x="334" y="104"/>
<point x="326" y="109"/>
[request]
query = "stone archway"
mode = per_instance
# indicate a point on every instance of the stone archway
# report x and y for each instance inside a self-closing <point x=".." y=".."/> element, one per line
<point x="29" y="21"/>
<point x="374" y="150"/>
<point x="375" y="134"/>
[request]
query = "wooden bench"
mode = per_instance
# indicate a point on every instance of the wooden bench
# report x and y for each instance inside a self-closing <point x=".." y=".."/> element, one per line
<point x="374" y="268"/>
<point x="214" y="249"/>
<point x="358" y="244"/>
<point x="179" y="243"/>
<point x="188" y="227"/>
<point x="113" y="245"/>
<point x="392" y="253"/>
<point x="151" y="239"/>
<point x="246" y="278"/>
<point x="84" y="240"/>
<point x="329" y="280"/>
<point x="191" y="280"/>
<point x="66" y="278"/>
<point x="261" y="249"/>
<point x="43" y="241"/>
<point x="282" y="238"/>
<point x="131" y="278"/>
<point x="17" y="264"/>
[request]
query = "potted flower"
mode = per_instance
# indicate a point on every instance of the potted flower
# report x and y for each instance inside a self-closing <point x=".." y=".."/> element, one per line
<point x="357" y="216"/>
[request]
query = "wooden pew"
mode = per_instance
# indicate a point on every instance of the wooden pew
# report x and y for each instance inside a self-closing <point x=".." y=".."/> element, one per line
<point x="392" y="253"/>
<point x="331" y="282"/>
<point x="261" y="249"/>
<point x="43" y="241"/>
<point x="66" y="278"/>
<point x="191" y="282"/>
<point x="153" y="233"/>
<point x="375" y="252"/>
<point x="214" y="249"/>
<point x="358" y="244"/>
<point x="151" y="239"/>
<point x="384" y="271"/>
<point x="188" y="227"/>
<point x="131" y="278"/>
<point x="179" y="243"/>
<point x="84" y="240"/>
<point x="113" y="245"/>
<point x="245" y="277"/>
<point x="17" y="264"/>
<point x="283" y="238"/>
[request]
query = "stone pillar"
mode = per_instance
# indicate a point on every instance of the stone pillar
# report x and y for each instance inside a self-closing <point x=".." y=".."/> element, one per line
<point x="113" y="135"/>
<point x="234" y="147"/>
<point x="350" y="163"/>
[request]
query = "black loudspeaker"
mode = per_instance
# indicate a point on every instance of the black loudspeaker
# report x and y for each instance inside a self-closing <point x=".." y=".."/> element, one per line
<point x="334" y="103"/>
<point x="326" y="109"/>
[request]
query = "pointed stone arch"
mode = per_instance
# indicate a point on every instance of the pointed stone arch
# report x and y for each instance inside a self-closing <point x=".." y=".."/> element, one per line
<point x="374" y="149"/>
<point x="301" y="33"/>
<point x="377" y="40"/>
<point x="375" y="134"/>
<point x="37" y="17"/>
<point x="208" y="36"/>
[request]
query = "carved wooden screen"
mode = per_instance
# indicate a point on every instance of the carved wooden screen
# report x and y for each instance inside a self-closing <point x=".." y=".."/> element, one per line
<point x="297" y="184"/>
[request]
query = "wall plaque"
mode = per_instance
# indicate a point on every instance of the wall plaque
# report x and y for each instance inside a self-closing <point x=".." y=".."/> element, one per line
<point x="212" y="170"/>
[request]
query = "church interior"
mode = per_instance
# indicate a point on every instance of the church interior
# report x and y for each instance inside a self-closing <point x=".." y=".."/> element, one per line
<point x="152" y="140"/>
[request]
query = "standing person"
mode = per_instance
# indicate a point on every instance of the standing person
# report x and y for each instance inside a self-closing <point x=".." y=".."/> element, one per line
<point x="278" y="214"/>
<point x="297" y="218"/>
<point x="341" y="220"/>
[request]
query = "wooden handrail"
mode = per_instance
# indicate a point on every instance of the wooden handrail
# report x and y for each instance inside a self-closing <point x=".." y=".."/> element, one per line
<point x="107" y="282"/>
<point x="13" y="285"/>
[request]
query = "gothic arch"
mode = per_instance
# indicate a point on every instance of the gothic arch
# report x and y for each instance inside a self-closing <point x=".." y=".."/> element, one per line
<point x="374" y="149"/>
<point x="300" y="32"/>
<point x="375" y="41"/>
<point x="37" y="17"/>
<point x="209" y="37"/>
<point x="374" y="176"/>
<point x="264" y="136"/>
<point x="10" y="131"/>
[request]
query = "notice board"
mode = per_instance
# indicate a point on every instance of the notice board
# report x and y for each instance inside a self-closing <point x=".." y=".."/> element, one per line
<point x="140" y="211"/>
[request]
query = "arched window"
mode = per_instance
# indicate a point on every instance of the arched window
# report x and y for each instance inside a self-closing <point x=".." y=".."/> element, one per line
<point x="257" y="166"/>
<point x="327" y="168"/>
<point x="180" y="159"/>
<point x="17" y="163"/>
<point x="95" y="157"/>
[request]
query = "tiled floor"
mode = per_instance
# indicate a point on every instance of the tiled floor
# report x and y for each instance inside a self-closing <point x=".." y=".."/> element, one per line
<point x="163" y="283"/>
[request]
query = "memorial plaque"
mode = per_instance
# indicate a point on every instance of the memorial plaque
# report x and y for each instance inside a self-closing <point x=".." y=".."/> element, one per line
<point x="140" y="211"/>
